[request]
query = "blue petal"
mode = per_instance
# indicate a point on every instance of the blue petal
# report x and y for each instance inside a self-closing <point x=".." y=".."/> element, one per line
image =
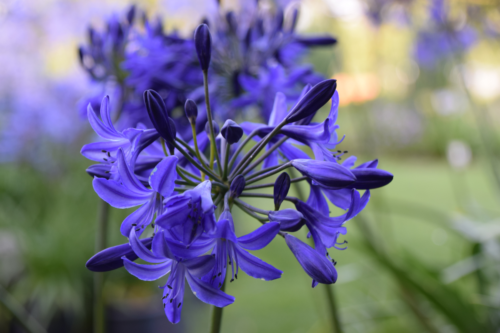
<point x="143" y="252"/>
<point x="340" y="198"/>
<point x="138" y="219"/>
<point x="279" y="110"/>
<point x="147" y="272"/>
<point x="314" y="264"/>
<point x="255" y="267"/>
<point x="208" y="294"/>
<point x="94" y="151"/>
<point x="160" y="246"/>
<point x="259" y="238"/>
<point x="111" y="258"/>
<point x="103" y="130"/>
<point x="128" y="178"/>
<point x="289" y="219"/>
<point x="349" y="162"/>
<point x="196" y="248"/>
<point x="225" y="230"/>
<point x="199" y="266"/>
<point x="162" y="179"/>
<point x="173" y="309"/>
<point x="118" y="195"/>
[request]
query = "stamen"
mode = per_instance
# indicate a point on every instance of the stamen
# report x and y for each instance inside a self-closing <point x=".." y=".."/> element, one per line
<point x="178" y="306"/>
<point x="169" y="287"/>
<point x="171" y="300"/>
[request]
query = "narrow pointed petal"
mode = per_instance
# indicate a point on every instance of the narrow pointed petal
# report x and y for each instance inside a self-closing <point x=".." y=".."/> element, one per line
<point x="312" y="101"/>
<point x="100" y="128"/>
<point x="203" y="44"/>
<point x="208" y="294"/>
<point x="279" y="109"/>
<point x="118" y="195"/>
<point x="288" y="219"/>
<point x="255" y="267"/>
<point x="162" y="179"/>
<point x="327" y="174"/>
<point x="199" y="266"/>
<point x="160" y="246"/>
<point x="314" y="264"/>
<point x="340" y="198"/>
<point x="142" y="251"/>
<point x="370" y="178"/>
<point x="259" y="238"/>
<point x="173" y="308"/>
<point x="98" y="151"/>
<point x="128" y="178"/>
<point x="111" y="258"/>
<point x="147" y="272"/>
<point x="138" y="219"/>
<point x="369" y="164"/>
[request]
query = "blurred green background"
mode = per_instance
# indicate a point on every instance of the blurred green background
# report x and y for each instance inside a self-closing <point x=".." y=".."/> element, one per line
<point x="423" y="256"/>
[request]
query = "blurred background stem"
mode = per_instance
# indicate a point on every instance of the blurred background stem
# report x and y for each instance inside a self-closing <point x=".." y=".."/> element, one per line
<point x="19" y="313"/>
<point x="333" y="313"/>
<point x="100" y="244"/>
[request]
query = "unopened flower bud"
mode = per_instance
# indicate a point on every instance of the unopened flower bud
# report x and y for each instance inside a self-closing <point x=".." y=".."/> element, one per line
<point x="157" y="112"/>
<point x="237" y="186"/>
<point x="281" y="187"/>
<point x="312" y="101"/>
<point x="325" y="174"/>
<point x="203" y="44"/>
<point x="191" y="111"/>
<point x="231" y="131"/>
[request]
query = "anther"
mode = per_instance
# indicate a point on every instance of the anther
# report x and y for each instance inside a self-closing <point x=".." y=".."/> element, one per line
<point x="169" y="287"/>
<point x="345" y="151"/>
<point x="236" y="276"/>
<point x="103" y="151"/>
<point x="220" y="284"/>
<point x="219" y="274"/>
<point x="109" y="154"/>
<point x="171" y="300"/>
<point x="178" y="306"/>
<point x="105" y="159"/>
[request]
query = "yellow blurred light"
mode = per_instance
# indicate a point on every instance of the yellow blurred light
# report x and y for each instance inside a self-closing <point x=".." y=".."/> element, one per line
<point x="357" y="88"/>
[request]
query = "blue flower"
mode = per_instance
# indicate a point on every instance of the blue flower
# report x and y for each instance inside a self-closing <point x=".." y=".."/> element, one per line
<point x="180" y="269"/>
<point x="230" y="248"/>
<point x="128" y="192"/>
<point x="190" y="214"/>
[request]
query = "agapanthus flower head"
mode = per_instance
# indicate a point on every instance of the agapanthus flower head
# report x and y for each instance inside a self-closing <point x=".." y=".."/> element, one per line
<point x="186" y="194"/>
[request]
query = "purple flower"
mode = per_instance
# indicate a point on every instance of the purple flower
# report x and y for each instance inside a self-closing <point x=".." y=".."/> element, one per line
<point x="128" y="192"/>
<point x="180" y="269"/>
<point x="315" y="264"/>
<point x="326" y="174"/>
<point x="190" y="214"/>
<point x="233" y="250"/>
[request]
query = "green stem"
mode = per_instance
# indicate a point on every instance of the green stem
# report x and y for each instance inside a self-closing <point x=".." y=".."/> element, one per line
<point x="100" y="244"/>
<point x="213" y="147"/>
<point x="264" y="156"/>
<point x="195" y="164"/>
<point x="240" y="148"/>
<point x="217" y="316"/>
<point x="332" y="304"/>
<point x="19" y="312"/>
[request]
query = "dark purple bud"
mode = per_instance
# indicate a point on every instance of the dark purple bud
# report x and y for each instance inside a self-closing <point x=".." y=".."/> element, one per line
<point x="281" y="187"/>
<point x="315" y="264"/>
<point x="231" y="131"/>
<point x="325" y="174"/>
<point x="203" y="44"/>
<point x="289" y="219"/>
<point x="312" y="101"/>
<point x="157" y="112"/>
<point x="294" y="19"/>
<point x="316" y="41"/>
<point x="237" y="186"/>
<point x="369" y="178"/>
<point x="191" y="111"/>
<point x="131" y="15"/>
<point x="231" y="21"/>
<point x="111" y="258"/>
<point x="216" y="128"/>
